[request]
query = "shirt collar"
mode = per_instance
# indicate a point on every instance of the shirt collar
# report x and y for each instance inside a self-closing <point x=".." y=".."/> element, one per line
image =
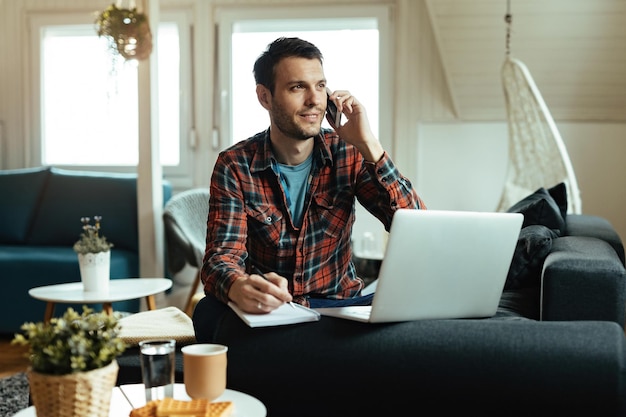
<point x="321" y="143"/>
<point x="264" y="156"/>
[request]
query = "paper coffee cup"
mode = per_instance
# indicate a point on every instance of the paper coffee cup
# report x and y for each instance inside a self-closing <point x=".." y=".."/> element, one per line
<point x="204" y="370"/>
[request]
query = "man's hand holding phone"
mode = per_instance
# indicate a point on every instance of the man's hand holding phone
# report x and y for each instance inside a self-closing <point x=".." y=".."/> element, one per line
<point x="356" y="130"/>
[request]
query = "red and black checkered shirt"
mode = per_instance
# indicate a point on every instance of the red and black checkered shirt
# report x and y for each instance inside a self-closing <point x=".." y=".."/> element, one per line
<point x="249" y="222"/>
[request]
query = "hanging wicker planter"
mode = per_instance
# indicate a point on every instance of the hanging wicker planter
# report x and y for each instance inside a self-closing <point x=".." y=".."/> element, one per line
<point x="128" y="31"/>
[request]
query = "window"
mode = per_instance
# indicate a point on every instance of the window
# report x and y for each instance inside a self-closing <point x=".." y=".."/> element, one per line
<point x="88" y="100"/>
<point x="357" y="49"/>
<point x="353" y="44"/>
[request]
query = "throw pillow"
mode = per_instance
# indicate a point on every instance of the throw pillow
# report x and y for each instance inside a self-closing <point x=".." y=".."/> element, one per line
<point x="539" y="208"/>
<point x="533" y="245"/>
<point x="559" y="194"/>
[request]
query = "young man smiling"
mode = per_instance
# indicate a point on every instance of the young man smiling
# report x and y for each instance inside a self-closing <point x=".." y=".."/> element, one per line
<point x="283" y="200"/>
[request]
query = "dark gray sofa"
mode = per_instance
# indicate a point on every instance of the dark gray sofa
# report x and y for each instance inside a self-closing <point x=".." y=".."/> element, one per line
<point x="571" y="361"/>
<point x="40" y="221"/>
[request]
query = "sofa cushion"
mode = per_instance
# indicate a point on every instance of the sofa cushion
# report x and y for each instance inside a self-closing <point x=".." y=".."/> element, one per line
<point x="559" y="194"/>
<point x="23" y="187"/>
<point x="533" y="245"/>
<point x="540" y="208"/>
<point x="488" y="367"/>
<point x="71" y="195"/>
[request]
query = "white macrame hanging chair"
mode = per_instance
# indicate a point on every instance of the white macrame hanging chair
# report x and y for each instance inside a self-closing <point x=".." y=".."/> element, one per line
<point x="537" y="155"/>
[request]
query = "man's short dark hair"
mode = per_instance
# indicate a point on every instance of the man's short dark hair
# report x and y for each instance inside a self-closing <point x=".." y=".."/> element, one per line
<point x="264" y="67"/>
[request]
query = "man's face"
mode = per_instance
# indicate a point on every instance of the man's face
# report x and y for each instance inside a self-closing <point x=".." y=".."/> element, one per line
<point x="299" y="100"/>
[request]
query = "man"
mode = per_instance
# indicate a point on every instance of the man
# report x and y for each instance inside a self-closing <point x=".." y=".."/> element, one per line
<point x="283" y="200"/>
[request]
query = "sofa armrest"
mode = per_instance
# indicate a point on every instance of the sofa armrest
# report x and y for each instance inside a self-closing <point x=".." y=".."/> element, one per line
<point x="594" y="226"/>
<point x="583" y="279"/>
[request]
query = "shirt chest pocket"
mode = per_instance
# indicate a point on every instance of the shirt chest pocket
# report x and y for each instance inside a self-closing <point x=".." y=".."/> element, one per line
<point x="332" y="214"/>
<point x="265" y="224"/>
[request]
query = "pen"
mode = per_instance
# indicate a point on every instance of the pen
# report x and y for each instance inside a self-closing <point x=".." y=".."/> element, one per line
<point x="257" y="271"/>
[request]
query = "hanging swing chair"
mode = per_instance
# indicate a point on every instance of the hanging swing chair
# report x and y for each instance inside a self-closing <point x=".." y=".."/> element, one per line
<point x="537" y="155"/>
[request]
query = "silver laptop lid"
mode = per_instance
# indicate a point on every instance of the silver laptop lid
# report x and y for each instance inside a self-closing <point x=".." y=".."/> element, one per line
<point x="444" y="264"/>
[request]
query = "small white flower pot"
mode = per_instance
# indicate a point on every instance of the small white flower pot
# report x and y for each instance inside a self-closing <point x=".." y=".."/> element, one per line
<point x="95" y="271"/>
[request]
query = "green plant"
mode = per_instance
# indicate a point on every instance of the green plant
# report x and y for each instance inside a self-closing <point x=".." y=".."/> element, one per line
<point x="90" y="240"/>
<point x="72" y="343"/>
<point x="128" y="31"/>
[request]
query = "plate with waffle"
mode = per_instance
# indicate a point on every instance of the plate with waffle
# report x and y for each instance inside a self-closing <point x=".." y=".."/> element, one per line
<point x="169" y="407"/>
<point x="241" y="404"/>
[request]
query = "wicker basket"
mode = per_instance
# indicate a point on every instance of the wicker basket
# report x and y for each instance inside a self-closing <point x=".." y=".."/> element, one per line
<point x="73" y="395"/>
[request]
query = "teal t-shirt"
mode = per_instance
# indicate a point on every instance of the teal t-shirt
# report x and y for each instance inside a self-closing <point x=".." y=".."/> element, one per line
<point x="295" y="180"/>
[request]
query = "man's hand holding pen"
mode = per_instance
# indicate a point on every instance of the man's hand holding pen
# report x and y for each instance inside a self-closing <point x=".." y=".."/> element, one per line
<point x="260" y="292"/>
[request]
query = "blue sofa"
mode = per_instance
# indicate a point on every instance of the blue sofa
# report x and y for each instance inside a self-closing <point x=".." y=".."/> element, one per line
<point x="40" y="221"/>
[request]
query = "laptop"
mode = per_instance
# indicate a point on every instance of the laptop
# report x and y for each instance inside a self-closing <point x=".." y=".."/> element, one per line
<point x="440" y="264"/>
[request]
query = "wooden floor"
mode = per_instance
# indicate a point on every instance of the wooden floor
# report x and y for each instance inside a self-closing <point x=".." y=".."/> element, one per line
<point x="12" y="359"/>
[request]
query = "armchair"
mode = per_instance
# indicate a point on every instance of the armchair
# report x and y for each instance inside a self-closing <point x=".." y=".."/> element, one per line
<point x="185" y="216"/>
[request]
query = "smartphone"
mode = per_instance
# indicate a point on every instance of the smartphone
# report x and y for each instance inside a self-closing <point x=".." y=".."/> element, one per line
<point x="332" y="114"/>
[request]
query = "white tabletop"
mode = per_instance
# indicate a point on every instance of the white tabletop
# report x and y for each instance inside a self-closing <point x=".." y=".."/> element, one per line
<point x="126" y="397"/>
<point x="245" y="405"/>
<point x="119" y="289"/>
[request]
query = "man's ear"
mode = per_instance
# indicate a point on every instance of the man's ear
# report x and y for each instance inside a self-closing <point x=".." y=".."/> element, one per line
<point x="264" y="96"/>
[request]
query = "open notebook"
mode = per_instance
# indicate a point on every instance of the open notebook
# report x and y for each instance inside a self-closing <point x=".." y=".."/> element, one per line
<point x="440" y="264"/>
<point x="285" y="314"/>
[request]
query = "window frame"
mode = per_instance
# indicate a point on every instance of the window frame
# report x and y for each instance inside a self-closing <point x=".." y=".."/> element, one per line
<point x="226" y="20"/>
<point x="181" y="173"/>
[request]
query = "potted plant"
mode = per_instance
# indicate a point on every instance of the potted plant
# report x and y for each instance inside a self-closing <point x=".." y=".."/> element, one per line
<point x="128" y="31"/>
<point x="94" y="256"/>
<point x="73" y="365"/>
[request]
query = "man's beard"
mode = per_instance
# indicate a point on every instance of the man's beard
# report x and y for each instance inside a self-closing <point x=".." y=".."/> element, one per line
<point x="286" y="124"/>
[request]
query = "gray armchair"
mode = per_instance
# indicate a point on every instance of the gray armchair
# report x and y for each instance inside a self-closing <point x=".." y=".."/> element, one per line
<point x="185" y="218"/>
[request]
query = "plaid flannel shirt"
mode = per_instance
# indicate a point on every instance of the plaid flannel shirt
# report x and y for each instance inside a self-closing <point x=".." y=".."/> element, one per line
<point x="249" y="221"/>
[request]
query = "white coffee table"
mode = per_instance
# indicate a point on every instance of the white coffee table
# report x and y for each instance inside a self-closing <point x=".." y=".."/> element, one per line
<point x="126" y="397"/>
<point x="245" y="405"/>
<point x="119" y="290"/>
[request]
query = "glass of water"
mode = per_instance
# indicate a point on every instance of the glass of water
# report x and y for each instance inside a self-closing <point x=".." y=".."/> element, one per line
<point x="157" y="367"/>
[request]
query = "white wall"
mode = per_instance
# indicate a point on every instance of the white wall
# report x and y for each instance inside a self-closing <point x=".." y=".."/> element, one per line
<point x="461" y="166"/>
<point x="597" y="152"/>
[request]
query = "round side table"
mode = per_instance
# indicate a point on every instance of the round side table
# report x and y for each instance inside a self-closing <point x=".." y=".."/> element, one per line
<point x="119" y="290"/>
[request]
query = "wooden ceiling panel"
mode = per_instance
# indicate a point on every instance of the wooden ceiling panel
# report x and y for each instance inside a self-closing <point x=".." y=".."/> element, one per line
<point x="574" y="49"/>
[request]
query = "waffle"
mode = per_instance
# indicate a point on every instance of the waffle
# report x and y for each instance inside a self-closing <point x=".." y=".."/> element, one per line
<point x="220" y="409"/>
<point x="148" y="410"/>
<point x="169" y="407"/>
